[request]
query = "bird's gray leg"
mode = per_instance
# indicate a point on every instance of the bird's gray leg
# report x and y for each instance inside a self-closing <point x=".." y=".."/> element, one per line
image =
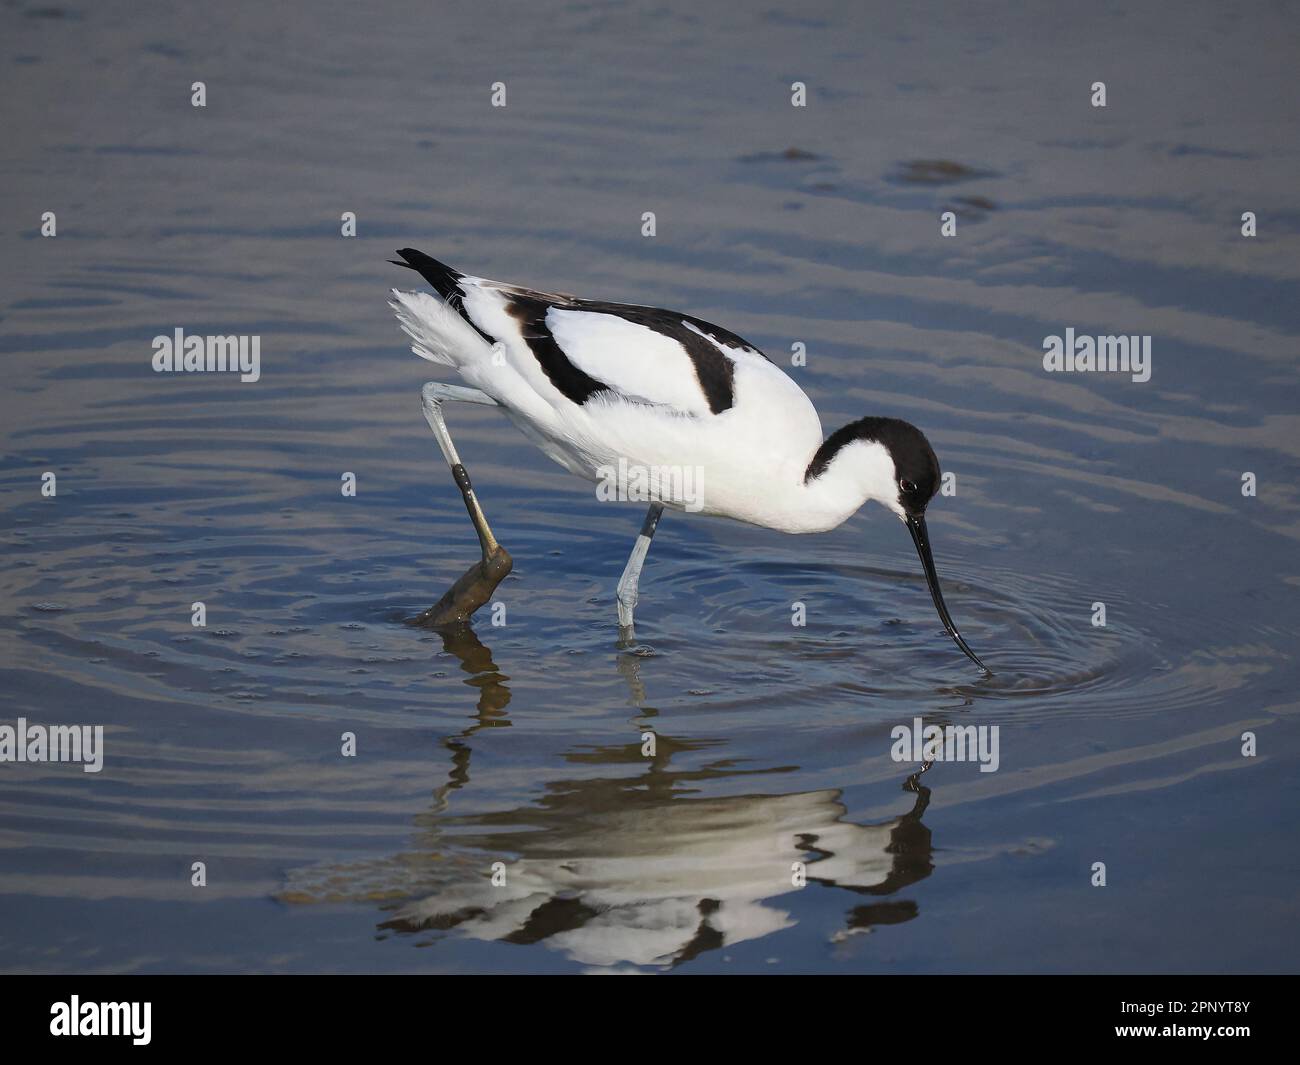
<point x="434" y="394"/>
<point x="477" y="585"/>
<point x="627" y="584"/>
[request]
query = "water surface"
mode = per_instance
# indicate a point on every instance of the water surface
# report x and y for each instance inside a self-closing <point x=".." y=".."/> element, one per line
<point x="522" y="744"/>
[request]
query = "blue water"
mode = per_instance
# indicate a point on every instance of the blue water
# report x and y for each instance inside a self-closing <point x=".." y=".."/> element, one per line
<point x="521" y="744"/>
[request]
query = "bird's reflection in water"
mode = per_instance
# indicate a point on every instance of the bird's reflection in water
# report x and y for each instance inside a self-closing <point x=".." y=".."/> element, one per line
<point x="475" y="658"/>
<point x="628" y="867"/>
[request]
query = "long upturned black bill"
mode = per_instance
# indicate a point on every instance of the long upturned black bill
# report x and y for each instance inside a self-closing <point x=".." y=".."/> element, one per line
<point x="916" y="526"/>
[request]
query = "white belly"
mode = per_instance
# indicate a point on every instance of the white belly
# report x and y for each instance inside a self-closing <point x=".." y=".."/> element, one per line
<point x="746" y="463"/>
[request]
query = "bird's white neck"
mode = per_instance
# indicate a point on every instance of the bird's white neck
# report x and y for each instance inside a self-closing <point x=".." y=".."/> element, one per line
<point x="860" y="471"/>
<point x="796" y="503"/>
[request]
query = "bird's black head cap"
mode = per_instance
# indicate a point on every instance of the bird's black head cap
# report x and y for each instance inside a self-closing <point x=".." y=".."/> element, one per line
<point x="916" y="467"/>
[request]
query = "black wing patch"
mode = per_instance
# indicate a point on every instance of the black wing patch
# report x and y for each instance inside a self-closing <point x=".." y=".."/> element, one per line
<point x="573" y="383"/>
<point x="715" y="372"/>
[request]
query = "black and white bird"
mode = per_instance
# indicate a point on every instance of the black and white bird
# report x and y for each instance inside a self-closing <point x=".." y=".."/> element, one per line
<point x="600" y="386"/>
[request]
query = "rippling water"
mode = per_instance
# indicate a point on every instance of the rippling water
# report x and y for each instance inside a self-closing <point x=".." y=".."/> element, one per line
<point x="522" y="744"/>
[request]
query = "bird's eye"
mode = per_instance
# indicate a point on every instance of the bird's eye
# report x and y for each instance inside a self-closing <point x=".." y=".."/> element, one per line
<point x="907" y="486"/>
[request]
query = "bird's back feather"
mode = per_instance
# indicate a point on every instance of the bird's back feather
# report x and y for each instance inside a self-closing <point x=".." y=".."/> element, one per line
<point x="594" y="383"/>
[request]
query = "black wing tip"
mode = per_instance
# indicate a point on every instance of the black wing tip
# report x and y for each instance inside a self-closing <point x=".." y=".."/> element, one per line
<point x="439" y="275"/>
<point x="418" y="260"/>
<point x="412" y="258"/>
<point x="443" y="279"/>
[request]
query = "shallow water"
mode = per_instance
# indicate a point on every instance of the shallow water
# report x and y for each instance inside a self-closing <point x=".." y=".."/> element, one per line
<point x="522" y="743"/>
